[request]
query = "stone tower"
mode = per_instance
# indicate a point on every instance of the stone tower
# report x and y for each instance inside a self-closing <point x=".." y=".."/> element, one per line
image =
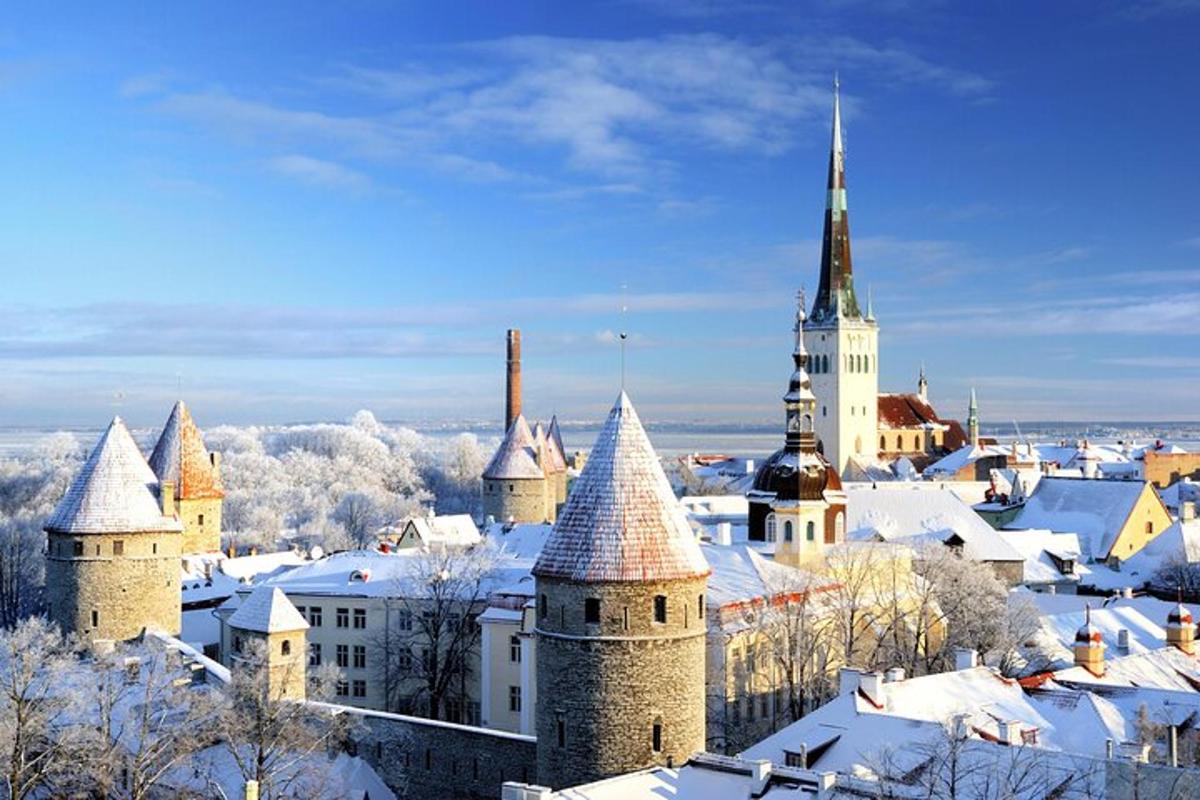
<point x="843" y="343"/>
<point x="620" y="619"/>
<point x="112" y="558"/>
<point x="517" y="482"/>
<point x="181" y="457"/>
<point x="797" y="500"/>
<point x="267" y="626"/>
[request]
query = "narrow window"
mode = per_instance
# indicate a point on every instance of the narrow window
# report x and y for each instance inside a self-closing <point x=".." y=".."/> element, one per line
<point x="1150" y="528"/>
<point x="343" y="655"/>
<point x="514" y="698"/>
<point x="656" y="737"/>
<point x="95" y="619"/>
<point x="700" y="605"/>
<point x="660" y="608"/>
<point x="591" y="610"/>
<point x="883" y="443"/>
<point x="360" y="656"/>
<point x="154" y="548"/>
<point x="360" y="688"/>
<point x="119" y="547"/>
<point x="562" y="734"/>
<point x="626" y="617"/>
<point x="810" y="532"/>
<point x="787" y="531"/>
<point x="200" y="519"/>
<point x="343" y="618"/>
<point x="514" y="649"/>
<point x="98" y="552"/>
<point x="343" y="689"/>
<point x="286" y="647"/>
<point x="315" y="616"/>
<point x="237" y="640"/>
<point x="314" y="654"/>
<point x="77" y="548"/>
<point x="360" y="618"/>
<point x="543" y="607"/>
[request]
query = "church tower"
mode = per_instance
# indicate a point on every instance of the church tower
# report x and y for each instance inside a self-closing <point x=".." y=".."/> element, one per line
<point x="112" y="555"/>
<point x="181" y="458"/>
<point x="620" y="619"/>
<point x="973" y="420"/>
<point x="844" y="345"/>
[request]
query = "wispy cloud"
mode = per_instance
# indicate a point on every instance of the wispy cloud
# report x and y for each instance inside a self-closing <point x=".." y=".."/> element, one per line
<point x="318" y="172"/>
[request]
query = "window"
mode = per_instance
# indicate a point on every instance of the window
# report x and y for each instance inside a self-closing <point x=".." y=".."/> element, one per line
<point x="360" y="688"/>
<point x="591" y="610"/>
<point x="822" y="411"/>
<point x="1150" y="528"/>
<point x="314" y="654"/>
<point x="514" y="649"/>
<point x="656" y="737"/>
<point x="343" y="689"/>
<point x="286" y="647"/>
<point x="562" y="734"/>
<point x="770" y="533"/>
<point x="883" y="443"/>
<point x="343" y="618"/>
<point x="514" y="698"/>
<point x="119" y="547"/>
<point x="660" y="608"/>
<point x="237" y="640"/>
<point x="314" y="616"/>
<point x="810" y="532"/>
<point x="787" y="531"/>
<point x="404" y="620"/>
<point x="899" y="442"/>
<point x="404" y="661"/>
<point x="301" y="610"/>
<point x="200" y="519"/>
<point x="343" y="655"/>
<point x="77" y="548"/>
<point x="360" y="618"/>
<point x="916" y="443"/>
<point x="543" y="607"/>
<point x="95" y="619"/>
<point x="154" y="548"/>
<point x="839" y="527"/>
<point x="360" y="656"/>
<point x="700" y="606"/>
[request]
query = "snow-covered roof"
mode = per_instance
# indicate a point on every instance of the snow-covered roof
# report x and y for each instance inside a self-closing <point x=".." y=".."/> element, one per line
<point x="921" y="511"/>
<point x="268" y="610"/>
<point x="1166" y="668"/>
<point x="455" y="530"/>
<point x="740" y="574"/>
<point x="523" y="541"/>
<point x="250" y="568"/>
<point x="1039" y="548"/>
<point x="181" y="457"/>
<point x="729" y="507"/>
<point x="114" y="492"/>
<point x="1094" y="509"/>
<point x="621" y="521"/>
<point x="516" y="458"/>
<point x="962" y="457"/>
<point x="1056" y="636"/>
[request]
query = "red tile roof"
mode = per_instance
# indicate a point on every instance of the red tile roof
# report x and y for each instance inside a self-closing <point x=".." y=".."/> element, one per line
<point x="181" y="456"/>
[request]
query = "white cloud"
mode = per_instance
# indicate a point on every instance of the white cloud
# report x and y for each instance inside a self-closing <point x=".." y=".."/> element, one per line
<point x="318" y="172"/>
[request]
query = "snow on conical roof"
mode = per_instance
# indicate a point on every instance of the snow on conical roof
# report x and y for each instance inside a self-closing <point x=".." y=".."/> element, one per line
<point x="268" y="610"/>
<point x="516" y="458"/>
<point x="181" y="457"/>
<point x="621" y="521"/>
<point x="114" y="492"/>
<point x="558" y="456"/>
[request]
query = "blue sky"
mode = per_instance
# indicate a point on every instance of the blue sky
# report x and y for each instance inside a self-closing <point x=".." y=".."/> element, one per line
<point x="290" y="211"/>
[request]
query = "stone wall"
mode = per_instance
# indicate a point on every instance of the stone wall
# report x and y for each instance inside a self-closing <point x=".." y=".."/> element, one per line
<point x="201" y="524"/>
<point x="129" y="581"/>
<point x="603" y="687"/>
<point x="420" y="758"/>
<point x="525" y="500"/>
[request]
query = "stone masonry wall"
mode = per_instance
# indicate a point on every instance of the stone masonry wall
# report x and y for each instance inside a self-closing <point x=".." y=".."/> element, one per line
<point x="421" y="759"/>
<point x="608" y="684"/>
<point x="523" y="500"/>
<point x="200" y="536"/>
<point x="130" y="581"/>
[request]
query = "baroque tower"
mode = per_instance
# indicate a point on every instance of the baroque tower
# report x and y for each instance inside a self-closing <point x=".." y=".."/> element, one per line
<point x="112" y="557"/>
<point x="844" y="344"/>
<point x="181" y="458"/>
<point x="620" y="619"/>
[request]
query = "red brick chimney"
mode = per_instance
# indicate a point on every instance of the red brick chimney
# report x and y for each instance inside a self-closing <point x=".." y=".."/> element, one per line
<point x="512" y="401"/>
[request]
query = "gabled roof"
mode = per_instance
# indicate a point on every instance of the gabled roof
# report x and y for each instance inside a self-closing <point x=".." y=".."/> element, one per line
<point x="621" y="521"/>
<point x="516" y="458"/>
<point x="114" y="492"/>
<point x="448" y="529"/>
<point x="1094" y="509"/>
<point x="268" y="610"/>
<point x="180" y="456"/>
<point x="905" y="411"/>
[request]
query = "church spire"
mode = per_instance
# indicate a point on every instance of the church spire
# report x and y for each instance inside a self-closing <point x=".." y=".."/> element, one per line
<point x="973" y="420"/>
<point x="800" y="401"/>
<point x="835" y="295"/>
<point x="922" y="384"/>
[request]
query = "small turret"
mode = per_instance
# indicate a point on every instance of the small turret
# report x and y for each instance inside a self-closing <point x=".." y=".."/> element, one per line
<point x="1089" y="646"/>
<point x="1181" y="632"/>
<point x="973" y="420"/>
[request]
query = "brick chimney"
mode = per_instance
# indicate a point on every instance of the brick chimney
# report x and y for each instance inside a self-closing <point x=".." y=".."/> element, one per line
<point x="512" y="399"/>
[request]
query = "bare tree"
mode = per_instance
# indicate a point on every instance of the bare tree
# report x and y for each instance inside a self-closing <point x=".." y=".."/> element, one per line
<point x="359" y="516"/>
<point x="38" y="710"/>
<point x="279" y="742"/>
<point x="853" y="570"/>
<point x="430" y="640"/>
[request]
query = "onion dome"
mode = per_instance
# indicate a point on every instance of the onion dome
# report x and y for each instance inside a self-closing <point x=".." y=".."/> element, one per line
<point x="516" y="458"/>
<point x="181" y="457"/>
<point x="790" y="475"/>
<point x="622" y="521"/>
<point x="114" y="492"/>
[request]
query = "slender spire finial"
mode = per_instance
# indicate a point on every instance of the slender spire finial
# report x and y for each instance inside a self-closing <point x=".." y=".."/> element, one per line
<point x="624" y="335"/>
<point x="870" y="304"/>
<point x="800" y="318"/>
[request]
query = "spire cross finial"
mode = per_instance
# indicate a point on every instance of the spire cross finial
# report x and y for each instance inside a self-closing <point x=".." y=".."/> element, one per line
<point x="623" y="334"/>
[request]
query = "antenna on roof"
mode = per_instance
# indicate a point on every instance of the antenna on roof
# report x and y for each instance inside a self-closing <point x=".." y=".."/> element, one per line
<point x="623" y="334"/>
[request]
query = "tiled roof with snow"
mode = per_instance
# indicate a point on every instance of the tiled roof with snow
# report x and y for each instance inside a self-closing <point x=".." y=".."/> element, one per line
<point x="114" y="492"/>
<point x="268" y="610"/>
<point x="1094" y="509"/>
<point x="621" y="521"/>
<point x="554" y="439"/>
<point x="905" y="411"/>
<point x="180" y="456"/>
<point x="448" y="529"/>
<point x="1165" y="668"/>
<point x="1037" y="547"/>
<point x="896" y="512"/>
<point x="516" y="458"/>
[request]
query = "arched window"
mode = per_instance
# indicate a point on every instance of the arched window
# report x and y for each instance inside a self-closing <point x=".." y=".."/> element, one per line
<point x="883" y="443"/>
<point x="770" y="529"/>
<point x="810" y="533"/>
<point x="286" y="647"/>
<point x="824" y="363"/>
<point x="787" y="531"/>
<point x="899" y="442"/>
<point x="917" y="442"/>
<point x="656" y="735"/>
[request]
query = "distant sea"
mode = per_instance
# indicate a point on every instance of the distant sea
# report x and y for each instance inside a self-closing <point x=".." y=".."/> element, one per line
<point x="747" y="441"/>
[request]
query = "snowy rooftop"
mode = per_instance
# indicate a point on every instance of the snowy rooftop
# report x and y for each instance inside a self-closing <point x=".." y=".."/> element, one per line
<point x="1039" y="548"/>
<point x="456" y="530"/>
<point x="181" y="457"/>
<point x="516" y="458"/>
<point x="1166" y="668"/>
<point x="1094" y="509"/>
<point x="740" y="574"/>
<point x="267" y="610"/>
<point x="921" y="511"/>
<point x="115" y="491"/>
<point x="621" y="521"/>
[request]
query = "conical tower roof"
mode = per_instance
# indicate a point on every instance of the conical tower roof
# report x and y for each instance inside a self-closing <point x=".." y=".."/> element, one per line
<point x="115" y="492"/>
<point x="558" y="455"/>
<point x="621" y="521"/>
<point x="516" y="458"/>
<point x="181" y="457"/>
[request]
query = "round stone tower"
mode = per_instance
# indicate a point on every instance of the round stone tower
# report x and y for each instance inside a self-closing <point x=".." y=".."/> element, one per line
<point x="112" y="559"/>
<point x="620" y="619"/>
<point x="516" y="486"/>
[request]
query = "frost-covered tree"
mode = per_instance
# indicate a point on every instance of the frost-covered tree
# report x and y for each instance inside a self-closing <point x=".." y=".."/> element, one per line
<point x="360" y="517"/>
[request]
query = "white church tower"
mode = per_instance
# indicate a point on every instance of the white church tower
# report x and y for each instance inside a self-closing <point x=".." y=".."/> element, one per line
<point x="843" y="342"/>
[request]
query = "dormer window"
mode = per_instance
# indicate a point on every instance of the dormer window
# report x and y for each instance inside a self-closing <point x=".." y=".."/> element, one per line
<point x="360" y="576"/>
